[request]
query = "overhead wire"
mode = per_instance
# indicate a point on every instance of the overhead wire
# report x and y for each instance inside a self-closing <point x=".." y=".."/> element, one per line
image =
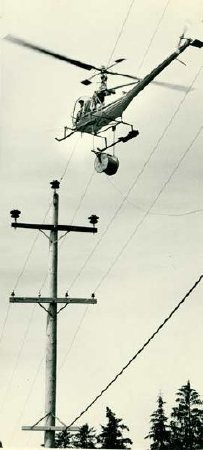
<point x="42" y="285"/>
<point x="74" y="338"/>
<point x="44" y="280"/>
<point x="5" y="321"/>
<point x="60" y="179"/>
<point x="127" y="194"/>
<point x="89" y="182"/>
<point x="17" y="283"/>
<point x="186" y="213"/>
<point x="38" y="233"/>
<point x="29" y="253"/>
<point x="20" y="276"/>
<point x="17" y="358"/>
<point x="121" y="30"/>
<point x="72" y="220"/>
<point x="99" y="284"/>
<point x="32" y="247"/>
<point x="83" y="195"/>
<point x="117" y="41"/>
<point x="131" y="202"/>
<point x="146" y="343"/>
<point x="153" y="35"/>
<point x="113" y="50"/>
<point x="13" y="433"/>
<point x="148" y="210"/>
<point x="135" y="181"/>
<point x="69" y="161"/>
<point x="46" y="276"/>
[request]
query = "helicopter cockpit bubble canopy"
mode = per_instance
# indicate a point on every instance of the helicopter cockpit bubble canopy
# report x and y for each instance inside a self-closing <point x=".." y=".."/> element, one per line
<point x="83" y="106"/>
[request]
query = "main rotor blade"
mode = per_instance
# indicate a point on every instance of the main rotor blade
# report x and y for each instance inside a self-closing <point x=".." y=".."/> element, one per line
<point x="173" y="86"/>
<point x="123" y="75"/>
<point x="117" y="61"/>
<point x="176" y="87"/>
<point x="36" y="48"/>
<point x="87" y="81"/>
<point x="124" y="85"/>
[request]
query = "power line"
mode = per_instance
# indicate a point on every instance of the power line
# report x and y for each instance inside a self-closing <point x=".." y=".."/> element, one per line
<point x="132" y="186"/>
<point x="44" y="281"/>
<point x="27" y="398"/>
<point x="186" y="213"/>
<point x="131" y="202"/>
<point x="77" y="330"/>
<point x="8" y="309"/>
<point x="132" y="235"/>
<point x="83" y="195"/>
<point x="118" y="38"/>
<point x="73" y="218"/>
<point x="69" y="160"/>
<point x="153" y="35"/>
<point x="32" y="313"/>
<point x="74" y="338"/>
<point x="139" y="224"/>
<point x="18" y="357"/>
<point x="61" y="179"/>
<point x="138" y="352"/>
<point x="148" y="211"/>
<point x="5" y="322"/>
<point x="121" y="30"/>
<point x="36" y="237"/>
<point x="29" y="253"/>
<point x="153" y="202"/>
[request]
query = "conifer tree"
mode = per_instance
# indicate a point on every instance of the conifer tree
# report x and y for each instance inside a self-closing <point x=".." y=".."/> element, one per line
<point x="187" y="420"/>
<point x="111" y="435"/>
<point x="86" y="438"/>
<point x="63" y="439"/>
<point x="159" y="432"/>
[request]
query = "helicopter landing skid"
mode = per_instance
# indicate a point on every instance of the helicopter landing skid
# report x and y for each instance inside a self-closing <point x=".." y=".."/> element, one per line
<point x="132" y="134"/>
<point x="65" y="135"/>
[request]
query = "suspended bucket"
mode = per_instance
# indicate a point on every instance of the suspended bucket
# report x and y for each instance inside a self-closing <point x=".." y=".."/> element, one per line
<point x="106" y="163"/>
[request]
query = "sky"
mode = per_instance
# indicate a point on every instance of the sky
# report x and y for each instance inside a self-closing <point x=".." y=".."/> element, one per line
<point x="147" y="253"/>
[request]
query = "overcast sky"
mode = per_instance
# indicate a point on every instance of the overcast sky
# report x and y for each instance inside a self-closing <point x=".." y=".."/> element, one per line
<point x="139" y="264"/>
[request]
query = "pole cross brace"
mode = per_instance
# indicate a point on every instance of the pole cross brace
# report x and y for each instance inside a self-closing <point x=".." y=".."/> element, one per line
<point x="48" y="428"/>
<point x="37" y="427"/>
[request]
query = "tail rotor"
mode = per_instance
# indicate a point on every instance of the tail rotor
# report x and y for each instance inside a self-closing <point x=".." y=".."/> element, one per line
<point x="182" y="37"/>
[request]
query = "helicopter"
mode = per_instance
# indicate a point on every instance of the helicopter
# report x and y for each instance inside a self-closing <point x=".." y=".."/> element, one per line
<point x="91" y="115"/>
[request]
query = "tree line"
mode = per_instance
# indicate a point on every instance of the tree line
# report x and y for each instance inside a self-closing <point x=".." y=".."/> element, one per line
<point x="110" y="436"/>
<point x="182" y="431"/>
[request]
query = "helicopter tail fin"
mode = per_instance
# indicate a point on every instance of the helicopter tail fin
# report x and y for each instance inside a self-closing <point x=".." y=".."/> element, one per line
<point x="197" y="43"/>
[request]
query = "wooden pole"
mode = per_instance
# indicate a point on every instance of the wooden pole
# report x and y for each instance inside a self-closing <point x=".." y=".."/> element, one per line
<point x="51" y="346"/>
<point x="51" y="329"/>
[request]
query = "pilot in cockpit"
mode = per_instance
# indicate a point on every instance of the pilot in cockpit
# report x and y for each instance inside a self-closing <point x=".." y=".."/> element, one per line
<point x="80" y="112"/>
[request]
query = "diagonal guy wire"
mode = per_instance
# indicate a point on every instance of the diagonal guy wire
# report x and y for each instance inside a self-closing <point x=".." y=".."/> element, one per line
<point x="139" y="351"/>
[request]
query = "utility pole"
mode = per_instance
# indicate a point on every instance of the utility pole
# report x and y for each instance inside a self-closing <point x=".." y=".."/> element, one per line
<point x="51" y="345"/>
<point x="52" y="312"/>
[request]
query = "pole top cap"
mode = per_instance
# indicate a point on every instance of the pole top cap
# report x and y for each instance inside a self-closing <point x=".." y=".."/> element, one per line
<point x="55" y="184"/>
